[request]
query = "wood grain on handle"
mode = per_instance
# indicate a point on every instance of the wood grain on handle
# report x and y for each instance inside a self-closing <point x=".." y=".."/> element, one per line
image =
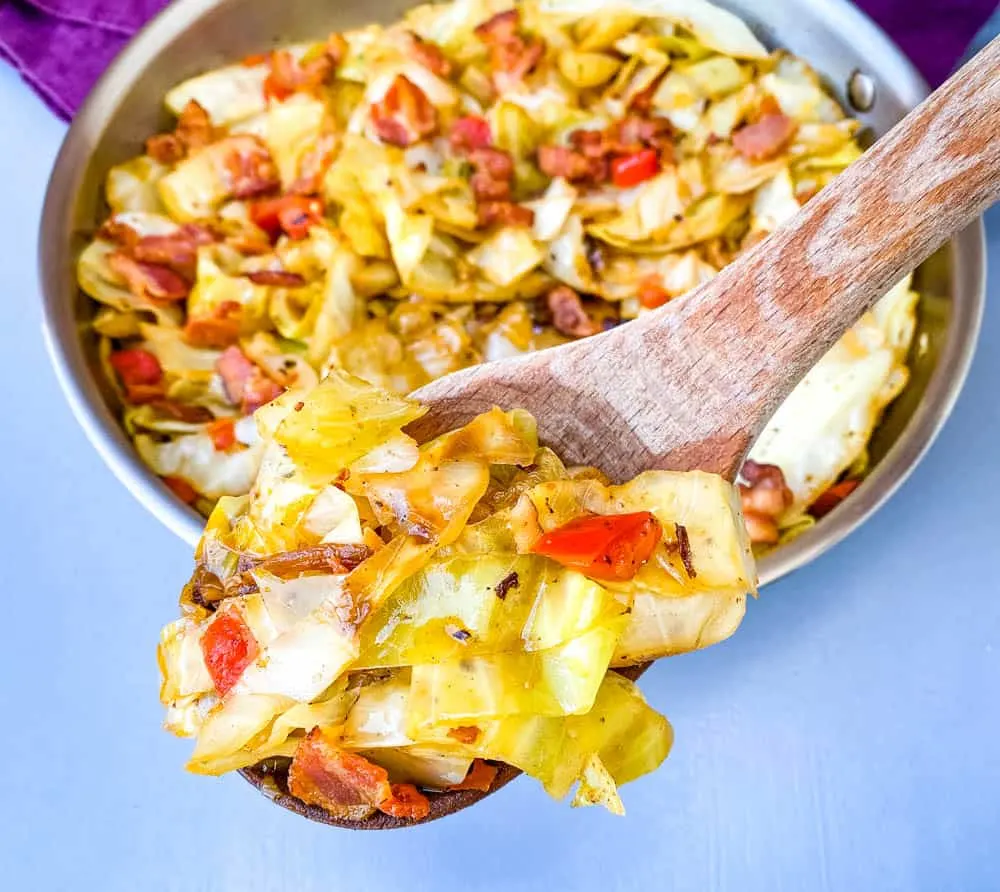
<point x="692" y="385"/>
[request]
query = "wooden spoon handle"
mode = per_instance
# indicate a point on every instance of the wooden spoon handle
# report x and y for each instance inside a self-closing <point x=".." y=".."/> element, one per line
<point x="752" y="333"/>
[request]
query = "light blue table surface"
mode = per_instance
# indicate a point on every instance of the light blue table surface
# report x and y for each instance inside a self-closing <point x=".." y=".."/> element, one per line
<point x="846" y="739"/>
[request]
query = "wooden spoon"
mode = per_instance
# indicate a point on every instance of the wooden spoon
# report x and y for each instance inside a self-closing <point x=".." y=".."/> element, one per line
<point x="691" y="385"/>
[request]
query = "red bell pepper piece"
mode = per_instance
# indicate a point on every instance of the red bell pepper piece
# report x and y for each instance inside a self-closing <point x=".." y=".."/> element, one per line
<point x="228" y="647"/>
<point x="291" y="214"/>
<point x="630" y="170"/>
<point x="612" y="546"/>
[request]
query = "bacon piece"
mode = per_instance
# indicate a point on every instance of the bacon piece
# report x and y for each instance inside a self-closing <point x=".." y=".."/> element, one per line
<point x="512" y="56"/>
<point x="506" y="213"/>
<point x="406" y="801"/>
<point x="470" y="132"/>
<point x="404" y="115"/>
<point x="430" y="56"/>
<point x="279" y="278"/>
<point x="165" y="148"/>
<point x="288" y="75"/>
<point x="635" y="132"/>
<point x="480" y="777"/>
<point x="177" y="251"/>
<point x="249" y="243"/>
<point x="560" y="161"/>
<point x="568" y="314"/>
<point x="494" y="173"/>
<point x="194" y="127"/>
<point x="245" y="384"/>
<point x="247" y="168"/>
<point x="148" y="280"/>
<point x="765" y="139"/>
<point x="219" y="330"/>
<point x="344" y="784"/>
<point x="114" y="230"/>
<point x="764" y="498"/>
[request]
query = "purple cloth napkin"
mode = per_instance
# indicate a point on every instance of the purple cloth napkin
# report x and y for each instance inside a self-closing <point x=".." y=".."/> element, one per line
<point x="61" y="46"/>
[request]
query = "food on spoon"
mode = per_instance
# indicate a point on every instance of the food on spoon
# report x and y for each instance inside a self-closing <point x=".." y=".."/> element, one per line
<point x="471" y="183"/>
<point x="379" y="621"/>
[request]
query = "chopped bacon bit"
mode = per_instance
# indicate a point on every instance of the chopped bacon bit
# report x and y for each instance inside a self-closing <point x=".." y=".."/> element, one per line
<point x="165" y="148"/>
<point x="294" y="215"/>
<point x="255" y="59"/>
<point x="560" y="161"/>
<point x="568" y="314"/>
<point x="764" y="497"/>
<point x="182" y="489"/>
<point x="511" y="580"/>
<point x="684" y="547"/>
<point x="279" y="278"/>
<point x="223" y="433"/>
<point x="245" y="384"/>
<point x="149" y="280"/>
<point x="500" y="28"/>
<point x="642" y="101"/>
<point x="406" y="801"/>
<point x="768" y="106"/>
<point x="505" y="213"/>
<point x="219" y="330"/>
<point x="630" y="170"/>
<point x="177" y="251"/>
<point x="480" y="777"/>
<point x="314" y="164"/>
<point x="464" y="733"/>
<point x="348" y="785"/>
<point x="762" y="529"/>
<point x="247" y="167"/>
<point x="512" y="57"/>
<point x="136" y="366"/>
<point x="289" y="75"/>
<point x="228" y="646"/>
<point x="494" y="173"/>
<point x="404" y="115"/>
<point x="765" y="139"/>
<point x="652" y="294"/>
<point x="249" y="244"/>
<point x="469" y="133"/>
<point x="430" y="56"/>
<point x="194" y="127"/>
<point x="830" y="499"/>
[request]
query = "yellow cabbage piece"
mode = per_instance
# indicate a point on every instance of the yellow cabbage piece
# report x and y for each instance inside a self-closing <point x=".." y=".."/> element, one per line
<point x="561" y="680"/>
<point x="341" y="420"/>
<point x="132" y="186"/>
<point x="228" y="94"/>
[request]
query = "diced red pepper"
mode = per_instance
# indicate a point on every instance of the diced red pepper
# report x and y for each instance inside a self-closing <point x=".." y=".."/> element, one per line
<point x="470" y="132"/>
<point x="480" y="777"/>
<point x="182" y="489"/>
<point x="223" y="433"/>
<point x="292" y="214"/>
<point x="136" y="366"/>
<point x="228" y="646"/>
<point x="833" y="497"/>
<point x="652" y="294"/>
<point x="219" y="330"/>
<point x="612" y="546"/>
<point x="630" y="170"/>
